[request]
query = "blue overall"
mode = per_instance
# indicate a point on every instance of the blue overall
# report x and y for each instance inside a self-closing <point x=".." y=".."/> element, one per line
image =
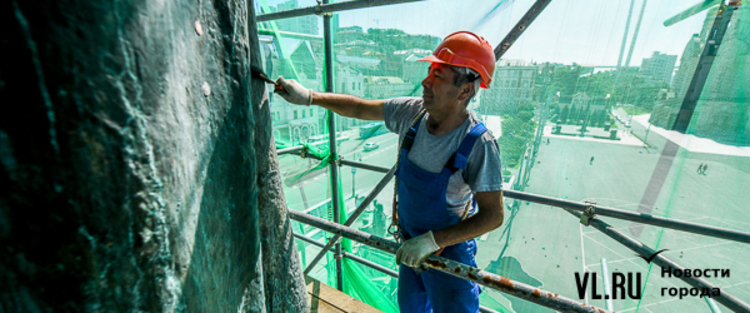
<point x="422" y="207"/>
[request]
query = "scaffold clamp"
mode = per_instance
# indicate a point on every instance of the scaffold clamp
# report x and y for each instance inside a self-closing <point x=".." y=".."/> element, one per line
<point x="319" y="11"/>
<point x="337" y="160"/>
<point x="588" y="214"/>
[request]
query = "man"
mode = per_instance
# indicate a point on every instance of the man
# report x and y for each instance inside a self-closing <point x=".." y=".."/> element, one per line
<point x="448" y="166"/>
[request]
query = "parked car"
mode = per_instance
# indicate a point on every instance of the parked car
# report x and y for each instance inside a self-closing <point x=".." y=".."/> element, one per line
<point x="371" y="146"/>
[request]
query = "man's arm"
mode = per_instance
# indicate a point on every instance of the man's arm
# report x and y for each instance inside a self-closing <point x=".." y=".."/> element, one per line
<point x="350" y="106"/>
<point x="489" y="217"/>
<point x="345" y="105"/>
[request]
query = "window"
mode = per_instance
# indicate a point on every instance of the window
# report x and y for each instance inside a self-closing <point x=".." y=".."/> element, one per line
<point x="311" y="112"/>
<point x="303" y="113"/>
<point x="295" y="114"/>
<point x="354" y="87"/>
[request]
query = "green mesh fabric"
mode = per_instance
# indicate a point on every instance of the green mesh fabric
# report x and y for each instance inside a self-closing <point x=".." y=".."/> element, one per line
<point x="579" y="114"/>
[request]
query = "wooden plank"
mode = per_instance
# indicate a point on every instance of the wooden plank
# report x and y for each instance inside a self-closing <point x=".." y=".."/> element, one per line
<point x="326" y="299"/>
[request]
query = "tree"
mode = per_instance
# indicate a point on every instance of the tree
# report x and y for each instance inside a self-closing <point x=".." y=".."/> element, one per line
<point x="565" y="79"/>
<point x="574" y="115"/>
<point x="518" y="129"/>
<point x="564" y="114"/>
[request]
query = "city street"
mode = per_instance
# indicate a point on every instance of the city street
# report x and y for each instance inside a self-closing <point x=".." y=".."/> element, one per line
<point x="316" y="185"/>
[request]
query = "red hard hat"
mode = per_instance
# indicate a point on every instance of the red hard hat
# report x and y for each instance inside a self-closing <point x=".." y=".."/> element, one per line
<point x="466" y="49"/>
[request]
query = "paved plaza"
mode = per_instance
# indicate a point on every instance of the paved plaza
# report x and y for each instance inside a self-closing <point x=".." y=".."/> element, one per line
<point x="551" y="245"/>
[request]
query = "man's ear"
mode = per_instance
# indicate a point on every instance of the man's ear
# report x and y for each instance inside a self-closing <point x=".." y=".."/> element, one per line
<point x="466" y="91"/>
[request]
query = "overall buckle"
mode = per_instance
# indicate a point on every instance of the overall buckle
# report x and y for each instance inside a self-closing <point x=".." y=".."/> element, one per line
<point x="395" y="231"/>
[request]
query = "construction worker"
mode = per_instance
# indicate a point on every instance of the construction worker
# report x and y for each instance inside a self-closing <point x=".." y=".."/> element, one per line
<point x="449" y="173"/>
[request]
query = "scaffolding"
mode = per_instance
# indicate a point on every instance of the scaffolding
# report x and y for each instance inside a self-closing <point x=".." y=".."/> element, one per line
<point x="588" y="213"/>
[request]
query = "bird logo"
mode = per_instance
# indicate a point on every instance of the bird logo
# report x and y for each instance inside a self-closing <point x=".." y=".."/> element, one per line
<point x="649" y="259"/>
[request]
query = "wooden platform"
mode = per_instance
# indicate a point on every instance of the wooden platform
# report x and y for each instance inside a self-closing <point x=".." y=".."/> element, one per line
<point x="326" y="299"/>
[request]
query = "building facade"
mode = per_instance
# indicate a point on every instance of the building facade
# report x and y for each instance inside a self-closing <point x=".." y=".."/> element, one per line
<point x="308" y="24"/>
<point x="658" y="68"/>
<point x="385" y="87"/>
<point x="512" y="85"/>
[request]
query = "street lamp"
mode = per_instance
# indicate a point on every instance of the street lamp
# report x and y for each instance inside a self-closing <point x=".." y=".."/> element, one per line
<point x="354" y="171"/>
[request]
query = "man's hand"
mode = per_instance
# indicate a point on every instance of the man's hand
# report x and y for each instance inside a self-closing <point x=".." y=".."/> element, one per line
<point x="415" y="250"/>
<point x="293" y="92"/>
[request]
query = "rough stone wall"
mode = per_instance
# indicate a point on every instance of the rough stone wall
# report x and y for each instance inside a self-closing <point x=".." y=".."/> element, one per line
<point x="136" y="163"/>
<point x="723" y="112"/>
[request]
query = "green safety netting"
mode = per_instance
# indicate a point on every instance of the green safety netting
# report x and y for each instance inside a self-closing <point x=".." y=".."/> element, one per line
<point x="583" y="109"/>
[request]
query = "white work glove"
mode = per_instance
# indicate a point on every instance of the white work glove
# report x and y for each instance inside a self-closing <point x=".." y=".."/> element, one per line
<point x="293" y="92"/>
<point x="415" y="250"/>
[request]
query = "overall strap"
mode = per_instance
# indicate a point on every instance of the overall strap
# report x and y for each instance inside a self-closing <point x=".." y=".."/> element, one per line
<point x="406" y="144"/>
<point x="459" y="159"/>
<point x="408" y="140"/>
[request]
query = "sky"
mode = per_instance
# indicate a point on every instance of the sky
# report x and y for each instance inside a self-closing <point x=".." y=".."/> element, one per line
<point x="587" y="32"/>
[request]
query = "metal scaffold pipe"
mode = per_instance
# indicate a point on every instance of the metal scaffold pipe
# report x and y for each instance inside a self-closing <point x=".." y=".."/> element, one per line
<point x="376" y="168"/>
<point x="349" y="221"/>
<point x="327" y="8"/>
<point x="378" y="267"/>
<point x="334" y="169"/>
<point x="520" y="27"/>
<point x="724" y="298"/>
<point x="644" y="218"/>
<point x="348" y="255"/>
<point x="290" y="150"/>
<point x="517" y="289"/>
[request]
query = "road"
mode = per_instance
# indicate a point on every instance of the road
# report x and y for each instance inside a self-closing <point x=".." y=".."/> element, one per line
<point x="315" y="186"/>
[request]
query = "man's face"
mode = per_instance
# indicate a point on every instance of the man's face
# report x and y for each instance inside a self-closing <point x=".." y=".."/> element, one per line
<point x="439" y="89"/>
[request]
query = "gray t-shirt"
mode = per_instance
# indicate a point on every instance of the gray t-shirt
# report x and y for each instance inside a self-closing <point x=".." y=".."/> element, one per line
<point x="430" y="152"/>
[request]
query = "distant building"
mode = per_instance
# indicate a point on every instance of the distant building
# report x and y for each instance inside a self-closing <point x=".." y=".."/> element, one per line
<point x="512" y="85"/>
<point x="659" y="67"/>
<point x="349" y="81"/>
<point x="414" y="72"/>
<point x="307" y="24"/>
<point x="349" y="34"/>
<point x="364" y="65"/>
<point x="356" y="47"/>
<point x="384" y="87"/>
<point x="296" y="124"/>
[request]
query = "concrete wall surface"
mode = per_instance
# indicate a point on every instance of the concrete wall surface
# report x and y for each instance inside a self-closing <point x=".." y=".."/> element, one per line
<point x="135" y="161"/>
